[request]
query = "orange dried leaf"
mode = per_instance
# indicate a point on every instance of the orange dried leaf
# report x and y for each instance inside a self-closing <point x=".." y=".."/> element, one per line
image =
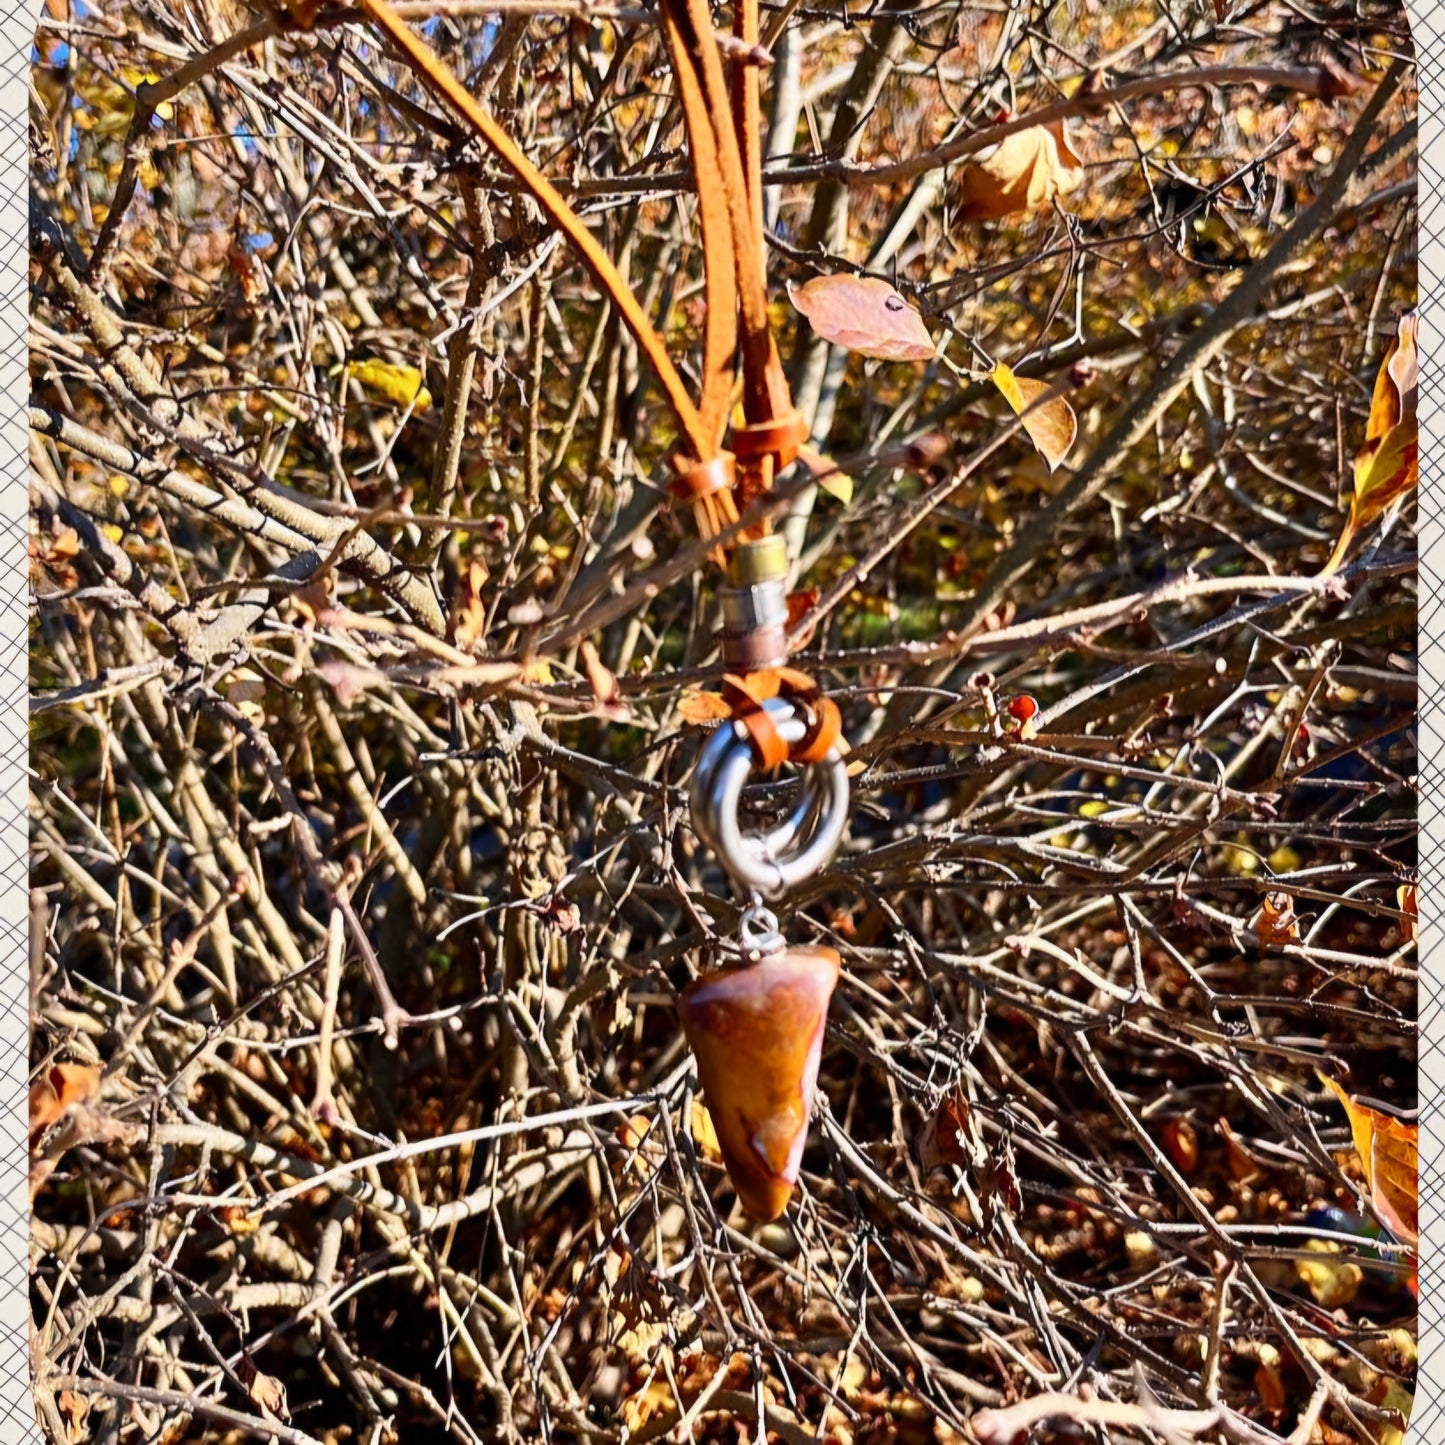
<point x="1407" y="897"/>
<point x="800" y="604"/>
<point x="469" y="612"/>
<point x="269" y="1394"/>
<point x="1389" y="1151"/>
<point x="865" y="314"/>
<point x="1025" y="171"/>
<point x="1048" y="419"/>
<point x="604" y="684"/>
<point x="1182" y="1144"/>
<point x="1277" y="923"/>
<point x="697" y="707"/>
<point x="1387" y="466"/>
<point x="62" y="1087"/>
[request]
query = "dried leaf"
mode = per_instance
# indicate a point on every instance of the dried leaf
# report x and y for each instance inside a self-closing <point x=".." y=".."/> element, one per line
<point x="1332" y="1281"/>
<point x="800" y="604"/>
<point x="400" y="385"/>
<point x="1277" y="923"/>
<point x="1048" y="419"/>
<point x="469" y="612"/>
<point x="1393" y="1395"/>
<point x="63" y="1116"/>
<point x="865" y="314"/>
<point x="62" y="1087"/>
<point x="696" y="707"/>
<point x="1387" y="466"/>
<point x="825" y="472"/>
<point x="269" y="1395"/>
<point x="1389" y="1151"/>
<point x="950" y="1136"/>
<point x="703" y="1133"/>
<point x="1407" y="897"/>
<point x="604" y="684"/>
<point x="1025" y="171"/>
<point x="74" y="1409"/>
<point x="1182" y="1143"/>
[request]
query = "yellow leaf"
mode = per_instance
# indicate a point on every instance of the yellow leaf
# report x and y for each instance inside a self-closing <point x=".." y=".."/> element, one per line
<point x="1396" y="1397"/>
<point x="1389" y="1151"/>
<point x="703" y="1133"/>
<point x="1048" y="419"/>
<point x="1026" y="171"/>
<point x="118" y="485"/>
<point x="1332" y="1281"/>
<point x="1407" y="899"/>
<point x="400" y="385"/>
<point x="825" y="472"/>
<point x="112" y="532"/>
<point x="1387" y="466"/>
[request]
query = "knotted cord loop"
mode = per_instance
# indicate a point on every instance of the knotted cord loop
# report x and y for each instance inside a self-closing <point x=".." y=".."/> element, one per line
<point x="779" y="438"/>
<point x="705" y="479"/>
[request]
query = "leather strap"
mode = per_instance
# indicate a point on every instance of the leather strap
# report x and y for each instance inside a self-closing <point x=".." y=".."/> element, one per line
<point x="770" y="752"/>
<point x="439" y="78"/>
<point x="705" y="479"/>
<point x="720" y="335"/>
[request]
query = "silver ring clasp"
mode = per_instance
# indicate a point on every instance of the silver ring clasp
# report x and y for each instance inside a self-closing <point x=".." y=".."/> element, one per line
<point x="795" y="849"/>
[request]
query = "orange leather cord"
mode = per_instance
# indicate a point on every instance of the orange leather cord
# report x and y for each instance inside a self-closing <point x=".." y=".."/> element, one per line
<point x="706" y="479"/>
<point x="720" y="336"/>
<point x="825" y="727"/>
<point x="445" y="85"/>
<point x="823" y="723"/>
<point x="770" y="752"/>
<point x="780" y="438"/>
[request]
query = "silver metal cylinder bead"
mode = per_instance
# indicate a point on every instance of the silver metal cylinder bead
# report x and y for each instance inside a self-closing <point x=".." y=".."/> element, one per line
<point x="755" y="605"/>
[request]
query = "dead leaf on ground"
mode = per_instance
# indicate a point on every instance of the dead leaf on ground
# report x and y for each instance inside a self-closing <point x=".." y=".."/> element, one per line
<point x="269" y="1395"/>
<point x="1047" y="418"/>
<point x="865" y="314"/>
<point x="703" y="1133"/>
<point x="1023" y="172"/>
<point x="1389" y="1151"/>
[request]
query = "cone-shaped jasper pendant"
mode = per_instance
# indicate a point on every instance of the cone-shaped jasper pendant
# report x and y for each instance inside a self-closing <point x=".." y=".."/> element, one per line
<point x="757" y="1032"/>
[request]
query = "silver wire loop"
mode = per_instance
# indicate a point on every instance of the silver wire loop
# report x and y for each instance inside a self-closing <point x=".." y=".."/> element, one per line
<point x="804" y="842"/>
<point x="758" y="932"/>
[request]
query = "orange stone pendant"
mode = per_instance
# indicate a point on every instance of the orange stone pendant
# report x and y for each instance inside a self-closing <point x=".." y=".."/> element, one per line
<point x="756" y="1030"/>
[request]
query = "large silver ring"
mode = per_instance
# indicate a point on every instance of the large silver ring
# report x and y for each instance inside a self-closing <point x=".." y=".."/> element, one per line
<point x="769" y="863"/>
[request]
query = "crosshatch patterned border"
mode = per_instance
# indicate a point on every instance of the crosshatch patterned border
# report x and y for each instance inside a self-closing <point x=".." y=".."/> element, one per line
<point x="17" y="1416"/>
